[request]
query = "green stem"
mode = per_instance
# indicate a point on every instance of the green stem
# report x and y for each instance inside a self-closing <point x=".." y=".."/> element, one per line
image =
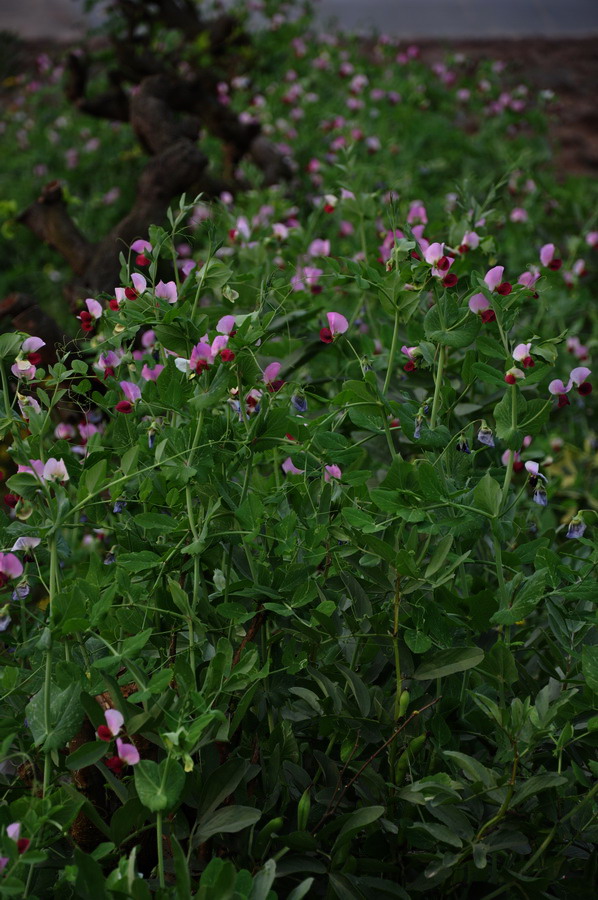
<point x="5" y="391"/>
<point x="47" y="695"/>
<point x="437" y="385"/>
<point x="393" y="350"/>
<point x="160" y="847"/>
<point x="397" y="658"/>
<point x="511" y="460"/>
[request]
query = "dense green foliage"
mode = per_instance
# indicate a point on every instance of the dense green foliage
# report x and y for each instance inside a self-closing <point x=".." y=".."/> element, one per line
<point x="344" y="604"/>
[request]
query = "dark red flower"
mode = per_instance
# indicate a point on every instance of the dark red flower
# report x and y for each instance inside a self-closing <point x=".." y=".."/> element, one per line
<point x="328" y="208"/>
<point x="113" y="303"/>
<point x="510" y="379"/>
<point x="275" y="386"/>
<point x="108" y="371"/>
<point x="518" y="465"/>
<point x="131" y="293"/>
<point x="450" y="280"/>
<point x="443" y="263"/>
<point x="23" y="844"/>
<point x="104" y="733"/>
<point x="563" y="401"/>
<point x="528" y="363"/>
<point x="488" y="315"/>
<point x="415" y="254"/>
<point x="34" y="358"/>
<point x="555" y="264"/>
<point x="11" y="500"/>
<point x="464" y="248"/>
<point x="142" y="260"/>
<point x="584" y="388"/>
<point x="326" y="335"/>
<point x="505" y="288"/>
<point x="409" y="366"/>
<point x="123" y="406"/>
<point x="227" y="355"/>
<point x="115" y="765"/>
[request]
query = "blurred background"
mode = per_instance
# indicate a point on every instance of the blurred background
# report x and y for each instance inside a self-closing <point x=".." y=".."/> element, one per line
<point x="454" y="19"/>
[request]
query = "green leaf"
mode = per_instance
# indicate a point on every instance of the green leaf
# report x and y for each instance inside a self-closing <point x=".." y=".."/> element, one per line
<point x="86" y="755"/>
<point x="487" y="495"/>
<point x="159" y="786"/>
<point x="589" y="666"/>
<point x="138" y="562"/>
<point x="355" y="822"/>
<point x="263" y="881"/>
<point x="66" y="713"/>
<point x="447" y="662"/>
<point x="447" y="323"/>
<point x="526" y="599"/>
<point x="227" y="820"/>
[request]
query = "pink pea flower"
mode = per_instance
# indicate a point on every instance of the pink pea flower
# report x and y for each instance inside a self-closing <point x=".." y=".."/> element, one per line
<point x="470" y="241"/>
<point x="337" y="324"/>
<point x="579" y="350"/>
<point x="10" y="567"/>
<point x="345" y="228"/>
<point x="139" y="286"/>
<point x="140" y="247"/>
<point x="114" y="722"/>
<point x="13" y="831"/>
<point x="522" y="354"/>
<point x="417" y="213"/>
<point x="332" y="471"/>
<point x="412" y="354"/>
<point x="480" y="305"/>
<point x="578" y="378"/>
<point x="132" y="394"/>
<point x="533" y="470"/>
<point x="289" y="469"/>
<point x="55" y="471"/>
<point x="319" y="247"/>
<point x="148" y="339"/>
<point x="90" y="316"/>
<point x="27" y="405"/>
<point x="25" y="543"/>
<point x="108" y="362"/>
<point x="127" y="755"/>
<point x="152" y="374"/>
<point x="548" y="259"/>
<point x="493" y="279"/>
<point x="167" y="291"/>
<point x="528" y="279"/>
<point x="226" y="325"/>
<point x="513" y="375"/>
<point x="28" y="358"/>
<point x="434" y="255"/>
<point x="518" y="214"/>
<point x="271" y="371"/>
<point x="592" y="239"/>
<point x="280" y="231"/>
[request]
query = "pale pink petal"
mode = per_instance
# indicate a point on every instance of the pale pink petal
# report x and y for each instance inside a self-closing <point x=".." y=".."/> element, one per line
<point x="332" y="471"/>
<point x="10" y="565"/>
<point x="271" y="371"/>
<point x="547" y="254"/>
<point x="139" y="282"/>
<point x="94" y="308"/>
<point x="579" y="375"/>
<point x="218" y="344"/>
<point x="32" y="345"/>
<point x="114" y="720"/>
<point x="226" y="324"/>
<point x="337" y="323"/>
<point x="152" y="374"/>
<point x="521" y="352"/>
<point x="55" y="470"/>
<point x="289" y="469"/>
<point x="479" y="303"/>
<point x="433" y="253"/>
<point x="14" y="831"/>
<point x="119" y="293"/>
<point x="127" y="752"/>
<point x="494" y="277"/>
<point x="532" y="467"/>
<point x="167" y="291"/>
<point x="140" y="246"/>
<point x="557" y="387"/>
<point x="131" y="391"/>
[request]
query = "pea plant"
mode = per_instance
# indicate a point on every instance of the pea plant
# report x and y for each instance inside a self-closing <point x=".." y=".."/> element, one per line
<point x="298" y="566"/>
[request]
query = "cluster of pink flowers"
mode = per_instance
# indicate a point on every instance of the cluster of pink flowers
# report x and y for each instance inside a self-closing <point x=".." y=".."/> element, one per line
<point x="126" y="754"/>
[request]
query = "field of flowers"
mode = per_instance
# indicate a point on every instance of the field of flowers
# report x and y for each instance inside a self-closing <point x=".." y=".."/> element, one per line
<point x="299" y="531"/>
